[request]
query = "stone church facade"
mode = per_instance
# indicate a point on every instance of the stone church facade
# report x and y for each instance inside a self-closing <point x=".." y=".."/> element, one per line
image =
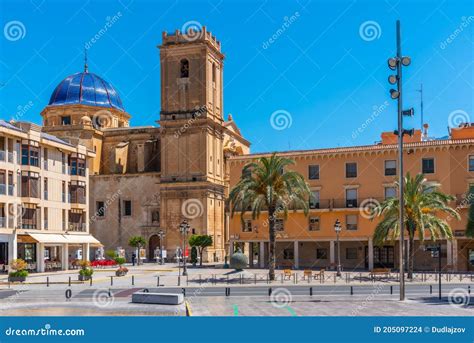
<point x="148" y="179"/>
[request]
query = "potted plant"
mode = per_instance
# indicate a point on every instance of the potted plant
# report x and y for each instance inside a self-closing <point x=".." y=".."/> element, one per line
<point x="121" y="271"/>
<point x="85" y="273"/>
<point x="19" y="272"/>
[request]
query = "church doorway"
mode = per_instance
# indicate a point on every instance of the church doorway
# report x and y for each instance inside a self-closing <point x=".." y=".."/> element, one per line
<point x="153" y="244"/>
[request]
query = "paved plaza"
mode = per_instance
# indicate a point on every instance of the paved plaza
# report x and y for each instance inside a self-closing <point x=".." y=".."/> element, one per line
<point x="224" y="292"/>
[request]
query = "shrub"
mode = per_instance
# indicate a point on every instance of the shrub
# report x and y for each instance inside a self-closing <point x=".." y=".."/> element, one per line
<point x="19" y="273"/>
<point x="194" y="255"/>
<point x="103" y="263"/>
<point x="119" y="260"/>
<point x="111" y="254"/>
<point x="86" y="271"/>
<point x="238" y="260"/>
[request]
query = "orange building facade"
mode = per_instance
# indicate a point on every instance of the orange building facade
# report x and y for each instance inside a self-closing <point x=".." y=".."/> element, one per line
<point x="346" y="182"/>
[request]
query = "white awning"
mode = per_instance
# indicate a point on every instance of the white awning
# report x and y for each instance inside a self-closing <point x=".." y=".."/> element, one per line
<point x="66" y="238"/>
<point x="82" y="239"/>
<point x="48" y="238"/>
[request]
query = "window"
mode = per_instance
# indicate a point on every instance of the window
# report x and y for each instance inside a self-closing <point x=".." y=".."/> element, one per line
<point x="427" y="166"/>
<point x="214" y="72"/>
<point x="29" y="218"/>
<point x="127" y="207"/>
<point x="45" y="188"/>
<point x="77" y="189"/>
<point x="351" y="170"/>
<point x="65" y="120"/>
<point x="45" y="159"/>
<point x="471" y="163"/>
<point x="30" y="154"/>
<point x="100" y="209"/>
<point x="288" y="254"/>
<point x="321" y="254"/>
<point x="313" y="223"/>
<point x="390" y="167"/>
<point x="351" y="198"/>
<point x="247" y="226"/>
<point x="390" y="192"/>
<point x="10" y="183"/>
<point x="77" y="165"/>
<point x="351" y="253"/>
<point x="30" y="184"/>
<point x="184" y="68"/>
<point x="279" y="225"/>
<point x="313" y="172"/>
<point x="3" y="182"/>
<point x="314" y="200"/>
<point x="351" y="222"/>
<point x="45" y="219"/>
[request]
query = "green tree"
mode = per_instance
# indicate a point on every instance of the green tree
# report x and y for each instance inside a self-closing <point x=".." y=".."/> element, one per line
<point x="266" y="185"/>
<point x="423" y="203"/>
<point x="200" y="242"/>
<point x="470" y="215"/>
<point x="137" y="242"/>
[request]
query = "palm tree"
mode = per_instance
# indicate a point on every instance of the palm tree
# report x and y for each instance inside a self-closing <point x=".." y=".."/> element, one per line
<point x="423" y="202"/>
<point x="265" y="185"/>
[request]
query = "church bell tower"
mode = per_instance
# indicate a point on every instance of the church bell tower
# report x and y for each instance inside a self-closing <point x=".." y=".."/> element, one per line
<point x="191" y="120"/>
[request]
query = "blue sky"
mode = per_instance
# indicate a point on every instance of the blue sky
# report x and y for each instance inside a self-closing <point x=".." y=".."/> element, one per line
<point x="322" y="72"/>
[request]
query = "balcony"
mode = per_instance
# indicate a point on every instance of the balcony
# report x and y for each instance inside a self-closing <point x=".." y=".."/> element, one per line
<point x="345" y="203"/>
<point x="3" y="189"/>
<point x="10" y="157"/>
<point x="29" y="225"/>
<point x="77" y="227"/>
<point x="3" y="222"/>
<point x="2" y="155"/>
<point x="11" y="189"/>
<point x="77" y="198"/>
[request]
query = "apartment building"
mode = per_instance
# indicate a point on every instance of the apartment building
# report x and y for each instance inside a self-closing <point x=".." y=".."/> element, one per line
<point x="44" y="191"/>
<point x="346" y="180"/>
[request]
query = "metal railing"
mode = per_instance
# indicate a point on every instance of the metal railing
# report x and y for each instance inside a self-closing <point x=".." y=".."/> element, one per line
<point x="11" y="189"/>
<point x="3" y="222"/>
<point x="77" y="227"/>
<point x="2" y="155"/>
<point x="3" y="189"/>
<point x="10" y="157"/>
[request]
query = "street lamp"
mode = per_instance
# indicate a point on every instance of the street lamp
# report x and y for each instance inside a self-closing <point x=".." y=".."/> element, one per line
<point x="396" y="63"/>
<point x="338" y="228"/>
<point x="161" y="233"/>
<point x="184" y="228"/>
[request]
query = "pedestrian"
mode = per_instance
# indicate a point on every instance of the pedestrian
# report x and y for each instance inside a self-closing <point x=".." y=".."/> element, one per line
<point x="134" y="257"/>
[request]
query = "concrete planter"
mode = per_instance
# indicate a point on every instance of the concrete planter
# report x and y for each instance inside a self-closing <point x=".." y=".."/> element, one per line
<point x="16" y="278"/>
<point x="84" y="278"/>
<point x="120" y="273"/>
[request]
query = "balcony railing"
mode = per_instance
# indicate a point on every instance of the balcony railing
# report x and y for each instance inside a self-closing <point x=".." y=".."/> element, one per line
<point x="78" y="227"/>
<point x="77" y="199"/>
<point x="45" y="195"/>
<point x="29" y="226"/>
<point x="3" y="189"/>
<point x="45" y="224"/>
<point x="2" y="155"/>
<point x="3" y="222"/>
<point x="11" y="189"/>
<point x="10" y="157"/>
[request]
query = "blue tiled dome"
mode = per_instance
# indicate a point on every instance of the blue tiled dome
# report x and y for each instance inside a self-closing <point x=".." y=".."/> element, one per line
<point x="86" y="89"/>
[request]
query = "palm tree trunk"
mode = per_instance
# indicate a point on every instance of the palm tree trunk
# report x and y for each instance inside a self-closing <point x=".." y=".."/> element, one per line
<point x="272" y="243"/>
<point x="411" y="256"/>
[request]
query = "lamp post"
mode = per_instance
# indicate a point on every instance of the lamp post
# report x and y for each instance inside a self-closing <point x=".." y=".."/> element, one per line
<point x="161" y="233"/>
<point x="396" y="63"/>
<point x="184" y="228"/>
<point x="338" y="228"/>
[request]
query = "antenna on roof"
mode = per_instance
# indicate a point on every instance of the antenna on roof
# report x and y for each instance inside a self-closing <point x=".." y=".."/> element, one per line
<point x="86" y="68"/>
<point x="421" y="105"/>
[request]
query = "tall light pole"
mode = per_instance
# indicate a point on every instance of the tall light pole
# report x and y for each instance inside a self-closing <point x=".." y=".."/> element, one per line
<point x="338" y="228"/>
<point x="184" y="228"/>
<point x="396" y="63"/>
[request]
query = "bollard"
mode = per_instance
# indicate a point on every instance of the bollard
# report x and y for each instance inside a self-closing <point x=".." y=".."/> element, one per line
<point x="111" y="280"/>
<point x="68" y="294"/>
<point x="269" y="291"/>
<point x="109" y="293"/>
<point x="158" y="281"/>
<point x="255" y="278"/>
<point x="184" y="291"/>
<point x="187" y="282"/>
<point x="468" y="289"/>
<point x="431" y="289"/>
<point x="311" y="291"/>
<point x="360" y="277"/>
<point x="281" y="278"/>
<point x="133" y="280"/>
<point x="90" y="282"/>
<point x="241" y="279"/>
<point x="179" y="280"/>
<point x="334" y="278"/>
<point x="47" y="281"/>
<point x="200" y="279"/>
<point x="69" y="282"/>
<point x="391" y="289"/>
<point x="352" y="291"/>
<point x="145" y="290"/>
